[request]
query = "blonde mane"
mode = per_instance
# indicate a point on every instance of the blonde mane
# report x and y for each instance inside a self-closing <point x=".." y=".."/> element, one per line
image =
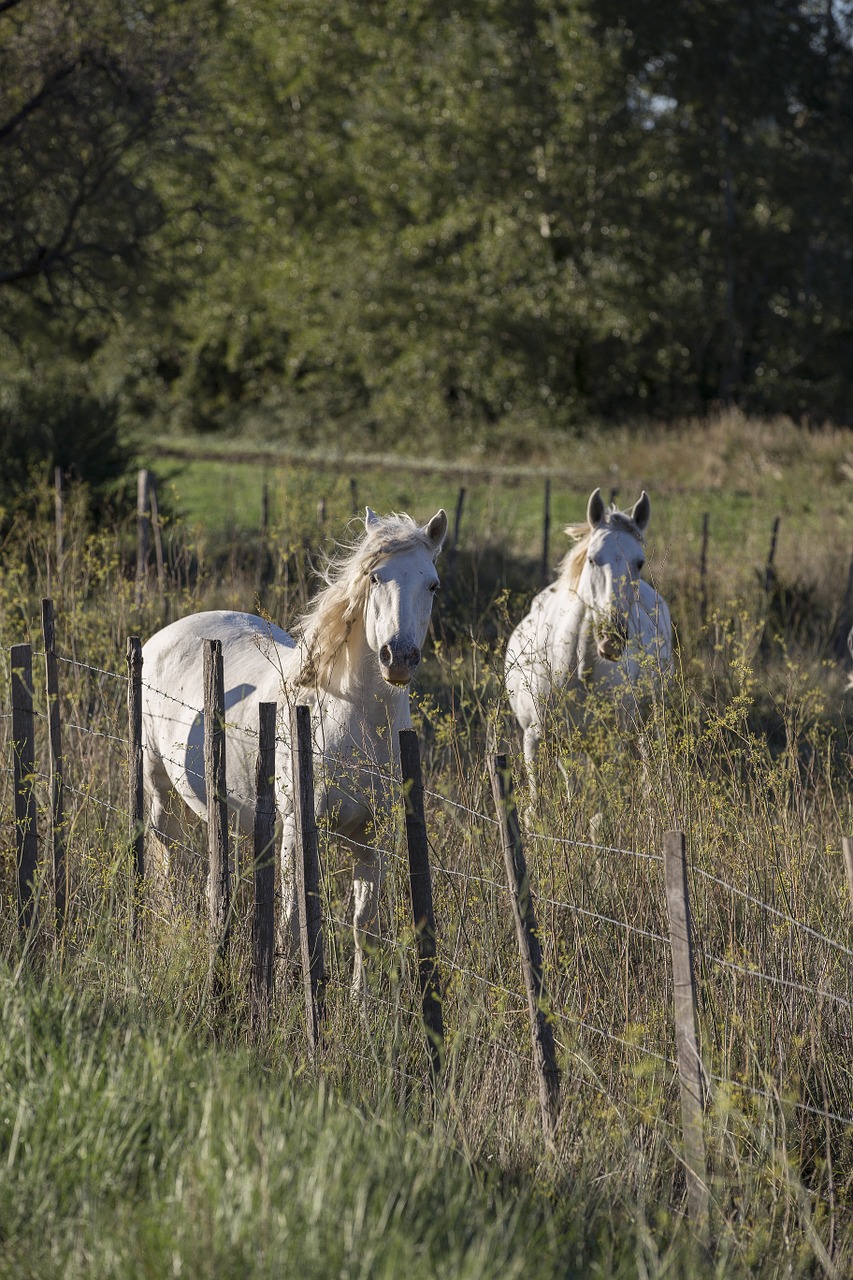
<point x="571" y="565"/>
<point x="328" y="623"/>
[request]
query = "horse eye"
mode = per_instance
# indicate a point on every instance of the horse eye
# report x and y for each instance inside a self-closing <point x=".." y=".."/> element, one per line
<point x="374" y="580"/>
<point x="640" y="566"/>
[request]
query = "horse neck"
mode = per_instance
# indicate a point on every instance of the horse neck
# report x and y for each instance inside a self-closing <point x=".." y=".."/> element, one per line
<point x="355" y="677"/>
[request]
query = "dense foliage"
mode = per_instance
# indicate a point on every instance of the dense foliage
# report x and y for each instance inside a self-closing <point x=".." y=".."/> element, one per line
<point x="491" y="218"/>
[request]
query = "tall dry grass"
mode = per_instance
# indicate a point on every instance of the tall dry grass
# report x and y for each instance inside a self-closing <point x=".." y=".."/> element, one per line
<point x="749" y="757"/>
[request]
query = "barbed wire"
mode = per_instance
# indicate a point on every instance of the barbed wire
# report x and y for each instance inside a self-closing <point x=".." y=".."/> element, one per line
<point x="571" y="1020"/>
<point x="95" y="733"/>
<point x="596" y="848"/>
<point x="774" y="911"/>
<point x="594" y="915"/>
<point x="800" y="1106"/>
<point x="776" y="981"/>
<point x="85" y="666"/>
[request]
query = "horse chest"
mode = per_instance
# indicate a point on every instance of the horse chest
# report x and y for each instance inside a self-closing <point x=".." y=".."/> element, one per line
<point x="354" y="769"/>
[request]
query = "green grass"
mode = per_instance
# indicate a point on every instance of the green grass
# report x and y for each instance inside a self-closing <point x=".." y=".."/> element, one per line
<point x="131" y="1147"/>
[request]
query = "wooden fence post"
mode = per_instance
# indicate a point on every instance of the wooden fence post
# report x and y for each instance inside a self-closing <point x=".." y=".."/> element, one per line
<point x="154" y="511"/>
<point x="135" y="803"/>
<point x="847" y="850"/>
<point x="546" y="535"/>
<point x="142" y="534"/>
<point x="219" y="880"/>
<point x="57" y="827"/>
<point x="421" y="890"/>
<point x="263" y="915"/>
<point x="353" y="496"/>
<point x="528" y="944"/>
<point x="769" y="568"/>
<point x="265" y="510"/>
<point x="307" y="872"/>
<point x="23" y="760"/>
<point x="686" y="1024"/>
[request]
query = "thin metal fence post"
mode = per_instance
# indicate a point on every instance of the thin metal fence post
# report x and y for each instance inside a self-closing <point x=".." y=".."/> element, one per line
<point x="263" y="914"/>
<point x="308" y="873"/>
<point x="23" y="760"/>
<point x="57" y="819"/>
<point x="420" y="884"/>
<point x="686" y="1027"/>
<point x="527" y="933"/>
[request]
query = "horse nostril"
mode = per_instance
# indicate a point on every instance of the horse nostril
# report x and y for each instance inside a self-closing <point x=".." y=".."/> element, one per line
<point x="385" y="655"/>
<point x="414" y="656"/>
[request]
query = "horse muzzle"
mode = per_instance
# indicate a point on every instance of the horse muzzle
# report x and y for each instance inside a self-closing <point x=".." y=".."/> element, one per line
<point x="397" y="666"/>
<point x="610" y="646"/>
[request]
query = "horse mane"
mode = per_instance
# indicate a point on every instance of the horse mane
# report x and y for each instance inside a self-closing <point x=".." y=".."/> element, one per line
<point x="571" y="566"/>
<point x="327" y="624"/>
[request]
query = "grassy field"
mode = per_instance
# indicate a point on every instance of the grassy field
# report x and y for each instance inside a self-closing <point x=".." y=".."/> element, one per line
<point x="143" y="1132"/>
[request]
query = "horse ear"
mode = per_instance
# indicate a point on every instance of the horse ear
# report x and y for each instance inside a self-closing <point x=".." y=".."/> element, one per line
<point x="595" y="509"/>
<point x="436" y="530"/>
<point x="641" y="511"/>
<point x="371" y="519"/>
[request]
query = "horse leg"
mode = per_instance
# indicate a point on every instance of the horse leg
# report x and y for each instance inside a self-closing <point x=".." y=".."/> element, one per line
<point x="532" y="738"/>
<point x="165" y="846"/>
<point x="287" y="940"/>
<point x="368" y="877"/>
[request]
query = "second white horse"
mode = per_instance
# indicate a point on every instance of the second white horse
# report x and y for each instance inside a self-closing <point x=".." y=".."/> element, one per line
<point x="600" y="626"/>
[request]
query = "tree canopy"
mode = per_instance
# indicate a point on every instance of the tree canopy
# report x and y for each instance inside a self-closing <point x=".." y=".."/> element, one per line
<point x="470" y="220"/>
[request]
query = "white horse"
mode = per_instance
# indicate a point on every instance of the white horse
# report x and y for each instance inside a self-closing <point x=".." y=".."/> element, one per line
<point x="359" y="644"/>
<point x="598" y="627"/>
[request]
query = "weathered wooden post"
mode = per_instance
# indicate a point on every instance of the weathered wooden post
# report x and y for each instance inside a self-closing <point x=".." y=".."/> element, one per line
<point x="219" y="881"/>
<point x="142" y="534"/>
<point x="263" y="915"/>
<point x="527" y="934"/>
<point x="308" y="873"/>
<point x="420" y="884"/>
<point x="353" y="496"/>
<point x="453" y="546"/>
<point x="686" y="1028"/>
<point x="135" y="799"/>
<point x="457" y="520"/>
<point x="546" y="535"/>
<point x="265" y="510"/>
<point x="154" y="511"/>
<point x="23" y="768"/>
<point x="769" y="568"/>
<point x="57" y="826"/>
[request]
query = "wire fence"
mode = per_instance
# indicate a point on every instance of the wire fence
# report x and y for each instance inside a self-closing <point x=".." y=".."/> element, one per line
<point x="478" y="972"/>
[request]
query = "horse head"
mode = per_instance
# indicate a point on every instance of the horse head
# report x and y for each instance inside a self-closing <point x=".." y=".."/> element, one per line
<point x="402" y="585"/>
<point x="614" y="561"/>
